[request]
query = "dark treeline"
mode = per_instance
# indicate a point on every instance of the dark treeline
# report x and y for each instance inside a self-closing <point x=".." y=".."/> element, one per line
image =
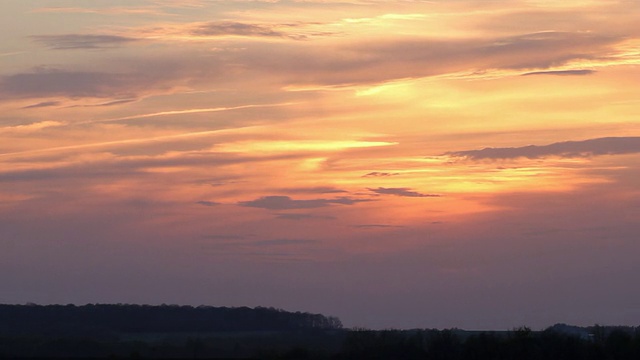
<point x="103" y="331"/>
<point x="185" y="332"/>
<point x="123" y="318"/>
<point x="555" y="343"/>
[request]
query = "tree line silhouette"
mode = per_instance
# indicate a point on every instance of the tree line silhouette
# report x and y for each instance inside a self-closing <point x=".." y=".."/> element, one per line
<point x="185" y="332"/>
<point x="104" y="319"/>
<point x="603" y="343"/>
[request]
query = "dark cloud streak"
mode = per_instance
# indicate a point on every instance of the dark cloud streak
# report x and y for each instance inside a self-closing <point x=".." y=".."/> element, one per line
<point x="404" y="192"/>
<point x="298" y="217"/>
<point x="380" y="174"/>
<point x="224" y="28"/>
<point x="74" y="84"/>
<point x="561" y="72"/>
<point x="277" y="202"/>
<point x="42" y="104"/>
<point x="106" y="104"/>
<point x="567" y="149"/>
<point x="207" y="203"/>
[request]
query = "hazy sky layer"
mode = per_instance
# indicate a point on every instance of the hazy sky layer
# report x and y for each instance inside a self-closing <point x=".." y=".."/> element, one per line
<point x="452" y="163"/>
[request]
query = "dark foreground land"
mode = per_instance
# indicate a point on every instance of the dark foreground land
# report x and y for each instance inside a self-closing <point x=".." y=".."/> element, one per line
<point x="184" y="332"/>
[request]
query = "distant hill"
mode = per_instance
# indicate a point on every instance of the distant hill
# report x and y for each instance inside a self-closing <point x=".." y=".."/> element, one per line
<point x="102" y="319"/>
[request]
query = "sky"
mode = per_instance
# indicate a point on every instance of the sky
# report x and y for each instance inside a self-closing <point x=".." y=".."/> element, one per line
<point x="398" y="164"/>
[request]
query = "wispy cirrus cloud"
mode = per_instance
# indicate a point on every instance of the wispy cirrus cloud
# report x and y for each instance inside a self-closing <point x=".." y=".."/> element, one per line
<point x="105" y="104"/>
<point x="404" y="192"/>
<point x="200" y="31"/>
<point x="148" y="7"/>
<point x="101" y="11"/>
<point x="186" y="111"/>
<point x="36" y="126"/>
<point x="136" y="142"/>
<point x="567" y="149"/>
<point x="12" y="53"/>
<point x="82" y="41"/>
<point x="42" y="104"/>
<point x="109" y="165"/>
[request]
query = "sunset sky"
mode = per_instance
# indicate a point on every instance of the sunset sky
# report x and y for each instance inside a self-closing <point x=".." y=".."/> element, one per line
<point x="400" y="163"/>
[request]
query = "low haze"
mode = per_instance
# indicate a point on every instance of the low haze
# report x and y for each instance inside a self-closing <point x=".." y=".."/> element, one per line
<point x="397" y="164"/>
